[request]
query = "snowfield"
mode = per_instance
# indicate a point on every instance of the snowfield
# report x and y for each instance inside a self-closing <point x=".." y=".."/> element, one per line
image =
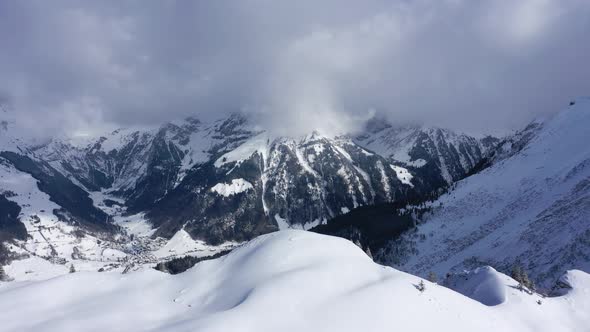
<point x="403" y="175"/>
<point x="288" y="281"/>
<point x="532" y="206"/>
<point x="235" y="187"/>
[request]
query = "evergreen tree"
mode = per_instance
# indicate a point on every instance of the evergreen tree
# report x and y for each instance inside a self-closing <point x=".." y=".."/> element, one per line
<point x="72" y="269"/>
<point x="432" y="277"/>
<point x="3" y="275"/>
<point x="516" y="273"/>
<point x="528" y="283"/>
<point x="520" y="275"/>
<point x="532" y="286"/>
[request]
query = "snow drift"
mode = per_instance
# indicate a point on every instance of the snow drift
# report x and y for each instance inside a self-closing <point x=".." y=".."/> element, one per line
<point x="285" y="281"/>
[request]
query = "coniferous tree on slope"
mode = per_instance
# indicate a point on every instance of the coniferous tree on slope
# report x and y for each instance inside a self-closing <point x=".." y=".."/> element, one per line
<point x="3" y="275"/>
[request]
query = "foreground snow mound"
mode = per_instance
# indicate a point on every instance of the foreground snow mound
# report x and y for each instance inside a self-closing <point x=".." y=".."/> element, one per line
<point x="484" y="285"/>
<point x="574" y="281"/>
<point x="285" y="281"/>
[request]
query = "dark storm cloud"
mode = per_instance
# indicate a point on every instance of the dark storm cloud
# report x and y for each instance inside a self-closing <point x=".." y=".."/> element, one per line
<point x="471" y="65"/>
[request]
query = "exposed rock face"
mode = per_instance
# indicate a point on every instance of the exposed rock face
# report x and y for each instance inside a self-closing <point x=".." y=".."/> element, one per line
<point x="230" y="180"/>
<point x="437" y="156"/>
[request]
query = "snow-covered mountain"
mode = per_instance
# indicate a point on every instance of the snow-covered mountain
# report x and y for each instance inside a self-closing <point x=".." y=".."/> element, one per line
<point x="118" y="198"/>
<point x="122" y="202"/>
<point x="437" y="156"/>
<point x="291" y="281"/>
<point x="230" y="180"/>
<point x="225" y="182"/>
<point x="529" y="207"/>
<point x="280" y="182"/>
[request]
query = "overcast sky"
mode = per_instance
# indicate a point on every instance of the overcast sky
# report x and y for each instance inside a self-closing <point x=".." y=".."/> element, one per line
<point x="478" y="66"/>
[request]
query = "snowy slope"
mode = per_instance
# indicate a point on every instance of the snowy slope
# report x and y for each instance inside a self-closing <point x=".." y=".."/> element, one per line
<point x="531" y="207"/>
<point x="36" y="208"/>
<point x="285" y="281"/>
<point x="52" y="245"/>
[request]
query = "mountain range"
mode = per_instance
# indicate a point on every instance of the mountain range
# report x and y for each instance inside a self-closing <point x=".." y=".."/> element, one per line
<point x="228" y="181"/>
<point x="419" y="198"/>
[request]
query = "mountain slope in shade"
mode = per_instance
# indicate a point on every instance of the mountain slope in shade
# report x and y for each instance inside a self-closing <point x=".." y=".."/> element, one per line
<point x="288" y="281"/>
<point x="531" y="207"/>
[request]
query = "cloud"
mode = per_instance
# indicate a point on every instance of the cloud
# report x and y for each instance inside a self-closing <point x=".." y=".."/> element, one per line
<point x="470" y="65"/>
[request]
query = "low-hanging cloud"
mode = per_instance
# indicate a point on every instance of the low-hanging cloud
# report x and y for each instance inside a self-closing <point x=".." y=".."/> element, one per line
<point x="478" y="66"/>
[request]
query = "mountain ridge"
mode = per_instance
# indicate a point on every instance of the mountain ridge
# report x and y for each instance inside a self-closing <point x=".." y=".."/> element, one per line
<point x="228" y="181"/>
<point x="144" y="167"/>
<point x="528" y="207"/>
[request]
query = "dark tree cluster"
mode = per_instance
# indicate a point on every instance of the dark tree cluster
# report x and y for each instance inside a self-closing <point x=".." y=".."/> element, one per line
<point x="181" y="264"/>
<point x="3" y="275"/>
<point x="520" y="275"/>
<point x="370" y="226"/>
<point x="11" y="226"/>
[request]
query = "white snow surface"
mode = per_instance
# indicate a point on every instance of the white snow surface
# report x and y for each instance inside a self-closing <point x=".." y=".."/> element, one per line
<point x="182" y="244"/>
<point x="532" y="207"/>
<point x="258" y="143"/>
<point x="46" y="233"/>
<point x="282" y="222"/>
<point x="136" y="224"/>
<point x="235" y="187"/>
<point x="403" y="175"/>
<point x="483" y="284"/>
<point x="285" y="281"/>
<point x="118" y="138"/>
